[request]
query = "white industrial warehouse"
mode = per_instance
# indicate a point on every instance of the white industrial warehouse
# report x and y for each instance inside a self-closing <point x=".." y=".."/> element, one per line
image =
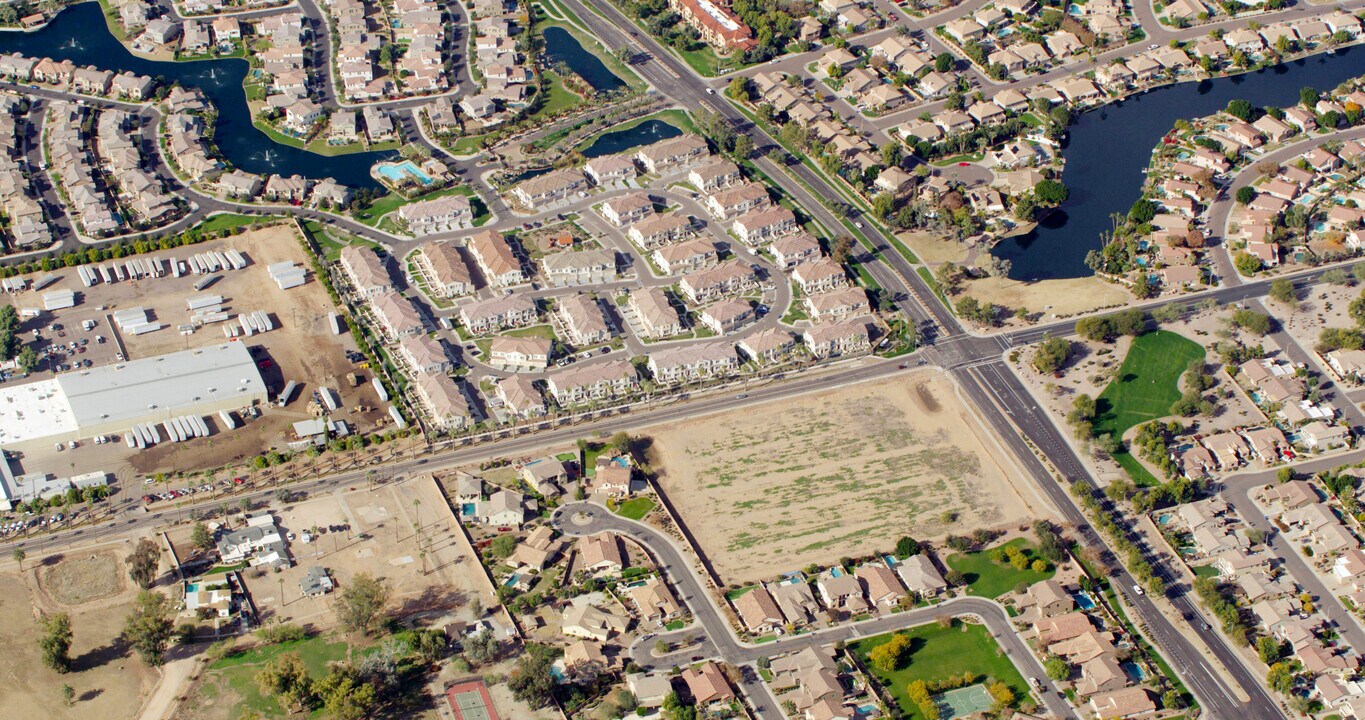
<point x="110" y="399"/>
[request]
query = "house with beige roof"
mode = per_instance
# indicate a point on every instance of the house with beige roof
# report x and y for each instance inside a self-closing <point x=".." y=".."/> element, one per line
<point x="520" y="353"/>
<point x="656" y="316"/>
<point x="496" y="258"/>
<point x="583" y="319"/>
<point x="596" y="381"/>
<point x="758" y="611"/>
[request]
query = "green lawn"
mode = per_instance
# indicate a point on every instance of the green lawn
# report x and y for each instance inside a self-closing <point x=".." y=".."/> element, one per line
<point x="239" y="671"/>
<point x="228" y="221"/>
<point x="938" y="653"/>
<point x="1146" y="387"/>
<point x="558" y="97"/>
<point x="635" y="508"/>
<point x="988" y="578"/>
<point x="1205" y="571"/>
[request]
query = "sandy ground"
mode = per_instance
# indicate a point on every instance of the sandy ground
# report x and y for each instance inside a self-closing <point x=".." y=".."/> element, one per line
<point x="110" y="682"/>
<point x="385" y="516"/>
<point x="1325" y="306"/>
<point x="1053" y="298"/>
<point x="302" y="348"/>
<point x="835" y="474"/>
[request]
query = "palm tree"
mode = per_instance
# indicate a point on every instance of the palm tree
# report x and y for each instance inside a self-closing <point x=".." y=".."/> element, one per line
<point x="19" y="556"/>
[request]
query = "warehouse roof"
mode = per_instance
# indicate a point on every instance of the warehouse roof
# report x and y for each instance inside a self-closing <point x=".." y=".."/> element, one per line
<point x="131" y="391"/>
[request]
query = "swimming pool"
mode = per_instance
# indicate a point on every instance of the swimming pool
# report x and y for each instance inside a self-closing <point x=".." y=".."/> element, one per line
<point x="511" y="580"/>
<point x="191" y="588"/>
<point x="1084" y="601"/>
<point x="467" y="509"/>
<point x="397" y="171"/>
<point x="1134" y="671"/>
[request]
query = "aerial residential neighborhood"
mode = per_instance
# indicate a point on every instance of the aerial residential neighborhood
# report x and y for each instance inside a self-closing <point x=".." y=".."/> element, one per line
<point x="541" y="359"/>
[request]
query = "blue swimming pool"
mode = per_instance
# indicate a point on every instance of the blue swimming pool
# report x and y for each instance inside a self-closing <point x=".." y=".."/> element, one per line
<point x="511" y="580"/>
<point x="397" y="171"/>
<point x="1134" y="671"/>
<point x="1084" y="601"/>
<point x="467" y="509"/>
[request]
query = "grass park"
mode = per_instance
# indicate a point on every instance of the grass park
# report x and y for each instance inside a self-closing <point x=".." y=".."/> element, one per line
<point x="938" y="653"/>
<point x="987" y="578"/>
<point x="1147" y="385"/>
<point x="233" y="678"/>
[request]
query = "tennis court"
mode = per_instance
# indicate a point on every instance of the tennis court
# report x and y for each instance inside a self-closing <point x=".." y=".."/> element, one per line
<point x="964" y="701"/>
<point x="470" y="701"/>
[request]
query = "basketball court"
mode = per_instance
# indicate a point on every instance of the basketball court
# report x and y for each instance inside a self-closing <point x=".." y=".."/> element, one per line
<point x="470" y="701"/>
<point x="964" y="701"/>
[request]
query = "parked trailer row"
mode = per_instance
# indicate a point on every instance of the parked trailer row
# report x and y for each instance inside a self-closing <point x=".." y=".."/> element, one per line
<point x="229" y="422"/>
<point x="255" y="322"/>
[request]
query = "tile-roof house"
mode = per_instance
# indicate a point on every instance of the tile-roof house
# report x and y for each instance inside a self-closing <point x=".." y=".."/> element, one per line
<point x="841" y="591"/>
<point x="880" y="585"/>
<point x="920" y="576"/>
<point x="1051" y="598"/>
<point x="654" y="601"/>
<point x="758" y="610"/>
<point x="707" y="685"/>
<point x="602" y="554"/>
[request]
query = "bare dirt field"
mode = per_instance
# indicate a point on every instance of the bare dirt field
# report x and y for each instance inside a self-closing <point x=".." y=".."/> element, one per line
<point x="430" y="577"/>
<point x="836" y="474"/>
<point x="110" y="682"/>
<point x="302" y="348"/>
<point x="1052" y="298"/>
<point x="82" y="580"/>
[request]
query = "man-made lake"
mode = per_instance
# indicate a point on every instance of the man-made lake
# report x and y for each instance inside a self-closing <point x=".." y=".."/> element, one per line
<point x="646" y="133"/>
<point x="561" y="46"/>
<point x="1109" y="148"/>
<point x="79" y="34"/>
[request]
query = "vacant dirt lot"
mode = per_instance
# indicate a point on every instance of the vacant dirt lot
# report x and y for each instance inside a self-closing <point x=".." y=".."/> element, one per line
<point x="430" y="576"/>
<point x="302" y="348"/>
<point x="109" y="681"/>
<point x="82" y="580"/>
<point x="835" y="474"/>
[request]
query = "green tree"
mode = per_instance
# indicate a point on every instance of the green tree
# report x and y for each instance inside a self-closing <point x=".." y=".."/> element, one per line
<point x="1051" y="193"/>
<point x="28" y="359"/>
<point x="361" y="602"/>
<point x="1280" y="678"/>
<point x="200" y="537"/>
<point x="1240" y="109"/>
<point x="1051" y="354"/>
<point x="68" y="694"/>
<point x="143" y="562"/>
<point x="1251" y="321"/>
<point x="19" y="556"/>
<point x="149" y="626"/>
<point x="531" y="680"/>
<point x="944" y="62"/>
<point x="1057" y="668"/>
<point x="55" y="641"/>
<point x="739" y="89"/>
<point x="1246" y="263"/>
<point x="1282" y="291"/>
<point x="344" y="695"/>
<point x="907" y="546"/>
<point x="1245" y="194"/>
<point x="1269" y="649"/>
<point x="286" y="677"/>
<point x="503" y="546"/>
